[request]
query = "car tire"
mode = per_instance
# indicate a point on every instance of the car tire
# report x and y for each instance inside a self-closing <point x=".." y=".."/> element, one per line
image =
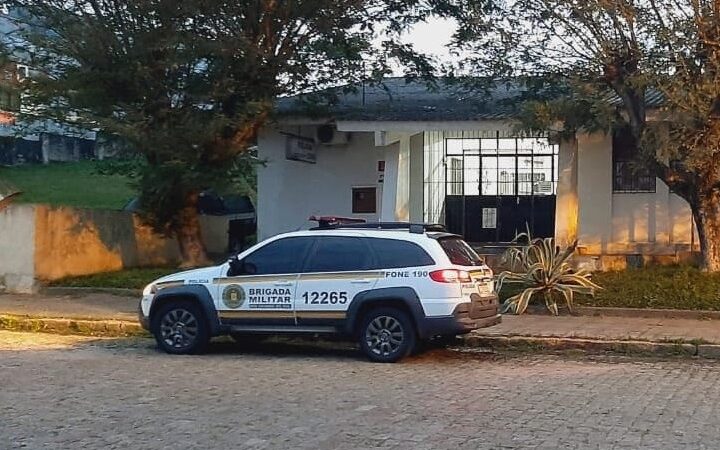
<point x="386" y="335"/>
<point x="180" y="328"/>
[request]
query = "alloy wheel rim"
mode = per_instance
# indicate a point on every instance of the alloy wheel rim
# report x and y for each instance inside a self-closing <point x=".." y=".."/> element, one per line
<point x="384" y="335"/>
<point x="179" y="328"/>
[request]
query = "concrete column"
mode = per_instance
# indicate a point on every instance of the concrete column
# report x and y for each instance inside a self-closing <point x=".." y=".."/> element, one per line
<point x="417" y="175"/>
<point x="566" y="209"/>
<point x="595" y="198"/>
<point x="402" y="164"/>
<point x="402" y="199"/>
<point x="389" y="189"/>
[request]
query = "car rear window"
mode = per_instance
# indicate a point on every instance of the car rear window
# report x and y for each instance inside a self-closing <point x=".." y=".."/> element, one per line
<point x="460" y="252"/>
<point x="394" y="253"/>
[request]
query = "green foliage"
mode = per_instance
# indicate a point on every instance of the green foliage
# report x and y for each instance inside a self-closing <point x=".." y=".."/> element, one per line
<point x="188" y="84"/>
<point x="76" y="184"/>
<point x="136" y="278"/>
<point x="542" y="269"/>
<point x="662" y="287"/>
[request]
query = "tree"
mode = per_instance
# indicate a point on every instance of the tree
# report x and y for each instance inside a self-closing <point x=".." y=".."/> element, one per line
<point x="188" y="84"/>
<point x="606" y="57"/>
<point x="591" y="64"/>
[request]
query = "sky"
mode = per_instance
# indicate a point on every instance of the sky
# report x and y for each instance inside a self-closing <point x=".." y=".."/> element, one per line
<point x="432" y="37"/>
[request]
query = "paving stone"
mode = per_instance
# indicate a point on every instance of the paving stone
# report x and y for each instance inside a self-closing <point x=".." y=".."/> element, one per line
<point x="84" y="393"/>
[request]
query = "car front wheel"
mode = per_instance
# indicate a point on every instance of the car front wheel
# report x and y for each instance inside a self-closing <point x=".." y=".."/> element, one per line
<point x="387" y="335"/>
<point x="180" y="328"/>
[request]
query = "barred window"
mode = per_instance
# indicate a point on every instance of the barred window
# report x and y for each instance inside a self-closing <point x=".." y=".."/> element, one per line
<point x="629" y="174"/>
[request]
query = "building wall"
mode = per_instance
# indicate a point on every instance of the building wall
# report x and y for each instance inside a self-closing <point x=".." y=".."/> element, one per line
<point x="291" y="191"/>
<point x="610" y="223"/>
<point x="605" y="223"/>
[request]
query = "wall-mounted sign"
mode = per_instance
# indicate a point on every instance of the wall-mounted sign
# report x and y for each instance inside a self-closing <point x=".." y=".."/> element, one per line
<point x="300" y="149"/>
<point x="381" y="171"/>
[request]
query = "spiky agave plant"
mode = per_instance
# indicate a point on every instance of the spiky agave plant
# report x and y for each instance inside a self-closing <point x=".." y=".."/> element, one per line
<point x="544" y="270"/>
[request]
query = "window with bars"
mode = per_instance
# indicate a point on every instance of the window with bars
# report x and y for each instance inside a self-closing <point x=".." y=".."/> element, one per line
<point x="629" y="174"/>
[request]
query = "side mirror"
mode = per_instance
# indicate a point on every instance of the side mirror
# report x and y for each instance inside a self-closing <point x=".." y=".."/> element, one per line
<point x="236" y="266"/>
<point x="240" y="267"/>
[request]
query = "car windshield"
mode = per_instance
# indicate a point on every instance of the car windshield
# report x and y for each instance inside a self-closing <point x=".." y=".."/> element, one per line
<point x="460" y="252"/>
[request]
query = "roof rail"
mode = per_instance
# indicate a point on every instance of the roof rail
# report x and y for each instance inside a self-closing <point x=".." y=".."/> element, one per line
<point x="417" y="228"/>
<point x="331" y="221"/>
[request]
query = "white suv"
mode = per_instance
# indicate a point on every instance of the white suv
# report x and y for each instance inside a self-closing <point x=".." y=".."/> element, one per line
<point x="386" y="285"/>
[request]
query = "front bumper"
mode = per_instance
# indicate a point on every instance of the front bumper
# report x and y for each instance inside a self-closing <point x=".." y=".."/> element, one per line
<point x="480" y="312"/>
<point x="142" y="318"/>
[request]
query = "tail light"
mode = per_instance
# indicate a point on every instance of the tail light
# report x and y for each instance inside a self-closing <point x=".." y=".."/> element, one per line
<point x="450" y="276"/>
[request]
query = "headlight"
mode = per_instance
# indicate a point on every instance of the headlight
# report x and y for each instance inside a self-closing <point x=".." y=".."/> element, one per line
<point x="150" y="289"/>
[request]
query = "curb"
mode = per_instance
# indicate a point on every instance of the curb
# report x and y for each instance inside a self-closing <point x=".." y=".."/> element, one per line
<point x="63" y="290"/>
<point x="530" y="343"/>
<point x="105" y="328"/>
<point x="646" y="313"/>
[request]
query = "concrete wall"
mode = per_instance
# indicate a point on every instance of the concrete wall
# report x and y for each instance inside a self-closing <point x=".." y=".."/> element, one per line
<point x="39" y="242"/>
<point x="291" y="191"/>
<point x="17" y="236"/>
<point x="567" y="205"/>
<point x="658" y="223"/>
<point x="71" y="241"/>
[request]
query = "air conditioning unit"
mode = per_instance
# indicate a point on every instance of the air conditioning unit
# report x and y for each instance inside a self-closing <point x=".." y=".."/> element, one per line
<point x="328" y="135"/>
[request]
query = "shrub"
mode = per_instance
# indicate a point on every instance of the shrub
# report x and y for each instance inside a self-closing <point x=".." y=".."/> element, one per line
<point x="542" y="269"/>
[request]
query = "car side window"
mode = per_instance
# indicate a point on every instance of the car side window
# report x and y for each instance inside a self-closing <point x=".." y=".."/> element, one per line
<point x="394" y="253"/>
<point x="339" y="254"/>
<point x="278" y="257"/>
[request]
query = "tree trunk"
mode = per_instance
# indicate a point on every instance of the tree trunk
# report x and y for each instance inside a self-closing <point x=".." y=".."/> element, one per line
<point x="189" y="235"/>
<point x="706" y="211"/>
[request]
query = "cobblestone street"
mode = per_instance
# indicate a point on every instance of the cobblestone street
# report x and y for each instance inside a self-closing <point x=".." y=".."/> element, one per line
<point x="72" y="392"/>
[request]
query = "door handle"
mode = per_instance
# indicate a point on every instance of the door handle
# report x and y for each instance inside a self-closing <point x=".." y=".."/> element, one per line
<point x="284" y="283"/>
<point x="363" y="281"/>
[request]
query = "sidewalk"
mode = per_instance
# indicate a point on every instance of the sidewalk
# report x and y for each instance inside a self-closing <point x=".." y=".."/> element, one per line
<point x="106" y="314"/>
<point x="89" y="314"/>
<point x="607" y="328"/>
<point x="82" y="306"/>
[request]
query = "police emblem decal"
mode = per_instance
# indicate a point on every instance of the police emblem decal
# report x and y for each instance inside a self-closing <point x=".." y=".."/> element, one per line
<point x="233" y="296"/>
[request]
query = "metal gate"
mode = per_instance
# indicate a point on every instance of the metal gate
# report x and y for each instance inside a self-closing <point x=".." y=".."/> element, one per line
<point x="498" y="187"/>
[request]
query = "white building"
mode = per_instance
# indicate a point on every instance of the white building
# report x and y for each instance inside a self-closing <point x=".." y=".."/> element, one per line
<point x="406" y="153"/>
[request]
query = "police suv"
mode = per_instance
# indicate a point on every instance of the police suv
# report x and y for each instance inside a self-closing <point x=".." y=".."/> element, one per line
<point x="387" y="285"/>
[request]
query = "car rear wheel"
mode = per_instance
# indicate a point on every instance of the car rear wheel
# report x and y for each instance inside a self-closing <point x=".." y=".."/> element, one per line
<point x="387" y="335"/>
<point x="180" y="328"/>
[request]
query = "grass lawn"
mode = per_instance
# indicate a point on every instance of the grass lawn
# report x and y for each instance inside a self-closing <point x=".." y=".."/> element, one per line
<point x="127" y="279"/>
<point x="667" y="287"/>
<point x="72" y="184"/>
